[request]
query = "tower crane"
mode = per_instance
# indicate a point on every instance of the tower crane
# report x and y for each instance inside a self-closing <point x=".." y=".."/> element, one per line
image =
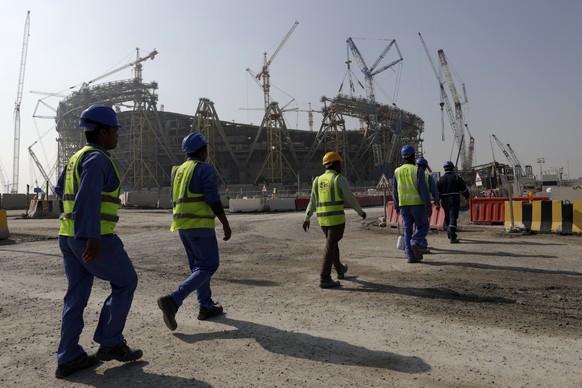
<point x="264" y="73"/>
<point x="136" y="63"/>
<point x="16" y="161"/>
<point x="369" y="73"/>
<point x="466" y="157"/>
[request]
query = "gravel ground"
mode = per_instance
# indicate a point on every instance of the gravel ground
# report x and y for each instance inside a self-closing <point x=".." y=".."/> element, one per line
<point x="496" y="310"/>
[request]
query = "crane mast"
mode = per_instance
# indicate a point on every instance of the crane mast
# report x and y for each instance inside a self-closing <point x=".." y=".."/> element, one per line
<point x="16" y="160"/>
<point x="466" y="156"/>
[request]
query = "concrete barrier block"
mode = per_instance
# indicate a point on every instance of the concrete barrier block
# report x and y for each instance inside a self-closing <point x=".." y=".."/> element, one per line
<point x="278" y="205"/>
<point x="245" y="205"/>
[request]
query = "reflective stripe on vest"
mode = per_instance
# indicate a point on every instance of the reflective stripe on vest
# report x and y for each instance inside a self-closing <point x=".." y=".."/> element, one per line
<point x="407" y="179"/>
<point x="109" y="200"/>
<point x="189" y="209"/>
<point x="329" y="205"/>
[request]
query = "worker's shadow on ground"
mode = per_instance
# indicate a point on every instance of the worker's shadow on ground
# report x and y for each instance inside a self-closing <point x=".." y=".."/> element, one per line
<point x="502" y="241"/>
<point x="132" y="374"/>
<point x="427" y="292"/>
<point x="309" y="347"/>
<point x="461" y="251"/>
<point x="501" y="267"/>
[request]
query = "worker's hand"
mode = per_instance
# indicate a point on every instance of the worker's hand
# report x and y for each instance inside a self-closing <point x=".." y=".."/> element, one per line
<point x="227" y="232"/>
<point x="93" y="250"/>
<point x="305" y="225"/>
<point x="363" y="215"/>
<point x="429" y="211"/>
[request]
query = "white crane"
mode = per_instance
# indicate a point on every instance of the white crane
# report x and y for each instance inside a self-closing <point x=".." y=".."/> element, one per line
<point x="466" y="156"/>
<point x="264" y="73"/>
<point x="16" y="161"/>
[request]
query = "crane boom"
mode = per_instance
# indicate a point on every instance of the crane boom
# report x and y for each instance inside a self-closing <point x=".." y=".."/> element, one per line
<point x="16" y="160"/>
<point x="264" y="73"/>
<point x="40" y="168"/>
<point x="466" y="157"/>
<point x="136" y="62"/>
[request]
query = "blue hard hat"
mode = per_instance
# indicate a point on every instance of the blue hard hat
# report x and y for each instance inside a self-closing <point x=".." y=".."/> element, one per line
<point x="193" y="142"/>
<point x="448" y="165"/>
<point x="98" y="115"/>
<point x="407" y="151"/>
<point x="422" y="162"/>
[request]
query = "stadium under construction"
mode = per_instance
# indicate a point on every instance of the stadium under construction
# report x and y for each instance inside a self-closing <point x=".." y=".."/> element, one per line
<point x="150" y="142"/>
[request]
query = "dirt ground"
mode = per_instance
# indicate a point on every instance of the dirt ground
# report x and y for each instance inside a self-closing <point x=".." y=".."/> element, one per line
<point x="499" y="309"/>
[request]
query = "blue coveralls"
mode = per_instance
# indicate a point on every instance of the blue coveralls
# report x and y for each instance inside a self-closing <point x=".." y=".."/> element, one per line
<point x="113" y="264"/>
<point x="451" y="186"/>
<point x="433" y="189"/>
<point x="413" y="215"/>
<point x="200" y="244"/>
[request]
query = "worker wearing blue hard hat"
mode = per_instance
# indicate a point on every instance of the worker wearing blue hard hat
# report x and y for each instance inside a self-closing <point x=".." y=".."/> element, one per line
<point x="89" y="189"/>
<point x="196" y="204"/>
<point x="412" y="203"/>
<point x="451" y="186"/>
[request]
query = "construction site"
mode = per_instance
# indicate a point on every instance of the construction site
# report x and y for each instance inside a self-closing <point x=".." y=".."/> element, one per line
<point x="368" y="134"/>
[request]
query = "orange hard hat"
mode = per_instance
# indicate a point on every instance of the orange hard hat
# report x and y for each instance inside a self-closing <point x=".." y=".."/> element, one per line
<point x="331" y="157"/>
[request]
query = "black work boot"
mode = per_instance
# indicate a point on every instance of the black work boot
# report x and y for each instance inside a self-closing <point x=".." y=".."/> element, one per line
<point x="417" y="250"/>
<point x="208" y="312"/>
<point x="120" y="352"/>
<point x="169" y="309"/>
<point x="84" y="361"/>
<point x="341" y="271"/>
<point x="327" y="282"/>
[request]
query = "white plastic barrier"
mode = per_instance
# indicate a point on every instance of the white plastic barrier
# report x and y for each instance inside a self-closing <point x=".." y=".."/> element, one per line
<point x="281" y="205"/>
<point x="247" y="205"/>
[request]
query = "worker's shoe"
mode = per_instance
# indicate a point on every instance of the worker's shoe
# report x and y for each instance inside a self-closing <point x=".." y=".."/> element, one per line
<point x="327" y="282"/>
<point x="341" y="271"/>
<point x="412" y="260"/>
<point x="455" y="240"/>
<point x="417" y="250"/>
<point x="208" y="312"/>
<point x="120" y="352"/>
<point x="84" y="361"/>
<point x="169" y="310"/>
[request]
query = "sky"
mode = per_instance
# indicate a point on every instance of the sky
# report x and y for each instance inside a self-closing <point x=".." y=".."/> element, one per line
<point x="519" y="60"/>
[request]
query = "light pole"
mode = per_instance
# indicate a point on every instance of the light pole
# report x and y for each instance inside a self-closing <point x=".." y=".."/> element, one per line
<point x="540" y="162"/>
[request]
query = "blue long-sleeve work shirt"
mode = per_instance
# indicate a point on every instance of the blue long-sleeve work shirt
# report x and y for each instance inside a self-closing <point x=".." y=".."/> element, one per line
<point x="422" y="189"/>
<point x="97" y="175"/>
<point x="204" y="181"/>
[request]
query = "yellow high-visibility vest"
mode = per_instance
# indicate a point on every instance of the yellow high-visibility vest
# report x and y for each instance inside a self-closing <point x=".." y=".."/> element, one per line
<point x="189" y="209"/>
<point x="329" y="203"/>
<point x="109" y="200"/>
<point x="407" y="178"/>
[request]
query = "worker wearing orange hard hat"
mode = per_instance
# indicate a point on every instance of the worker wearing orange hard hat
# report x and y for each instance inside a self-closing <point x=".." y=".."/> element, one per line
<point x="330" y="191"/>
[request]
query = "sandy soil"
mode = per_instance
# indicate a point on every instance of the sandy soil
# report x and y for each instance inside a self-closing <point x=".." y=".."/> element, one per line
<point x="499" y="309"/>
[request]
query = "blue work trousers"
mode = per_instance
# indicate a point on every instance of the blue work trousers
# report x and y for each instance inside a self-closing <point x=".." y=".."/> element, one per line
<point x="203" y="259"/>
<point x="112" y="265"/>
<point x="411" y="216"/>
<point x="451" y="205"/>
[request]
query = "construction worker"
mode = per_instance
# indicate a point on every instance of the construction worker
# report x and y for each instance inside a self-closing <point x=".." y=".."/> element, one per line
<point x="329" y="192"/>
<point x="89" y="190"/>
<point x="196" y="204"/>
<point x="451" y="187"/>
<point x="433" y="190"/>
<point x="412" y="203"/>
